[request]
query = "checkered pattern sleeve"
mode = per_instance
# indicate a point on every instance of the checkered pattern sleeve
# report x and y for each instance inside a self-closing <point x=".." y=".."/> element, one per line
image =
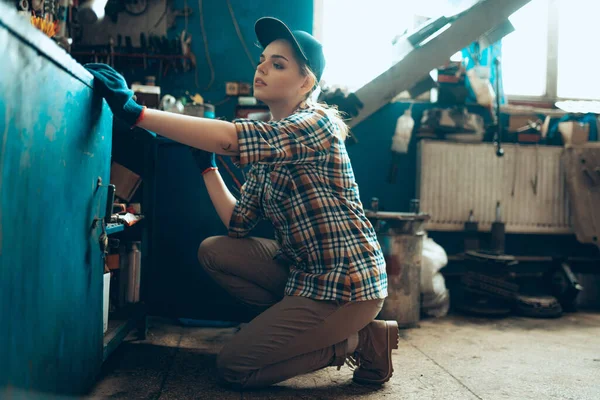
<point x="247" y="212"/>
<point x="303" y="137"/>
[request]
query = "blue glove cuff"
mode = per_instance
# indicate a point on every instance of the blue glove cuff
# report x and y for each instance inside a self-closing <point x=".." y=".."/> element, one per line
<point x="131" y="112"/>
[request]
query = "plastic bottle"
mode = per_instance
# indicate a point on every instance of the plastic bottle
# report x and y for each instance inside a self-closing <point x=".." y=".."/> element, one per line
<point x="479" y="77"/>
<point x="134" y="275"/>
<point x="403" y="132"/>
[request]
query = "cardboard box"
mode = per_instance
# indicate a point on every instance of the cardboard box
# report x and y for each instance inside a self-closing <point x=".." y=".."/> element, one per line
<point x="126" y="181"/>
<point x="113" y="261"/>
<point x="574" y="133"/>
<point x="147" y="95"/>
<point x="518" y="121"/>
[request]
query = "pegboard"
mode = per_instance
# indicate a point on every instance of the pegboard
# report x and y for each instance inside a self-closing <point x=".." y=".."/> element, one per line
<point x="151" y="22"/>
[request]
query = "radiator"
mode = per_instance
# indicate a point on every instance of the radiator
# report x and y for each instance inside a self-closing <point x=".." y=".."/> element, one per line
<point x="529" y="183"/>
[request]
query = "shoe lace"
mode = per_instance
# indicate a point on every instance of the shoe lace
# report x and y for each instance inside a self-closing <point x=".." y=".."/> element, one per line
<point x="353" y="361"/>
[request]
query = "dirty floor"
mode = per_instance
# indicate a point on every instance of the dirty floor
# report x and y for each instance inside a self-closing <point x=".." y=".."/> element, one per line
<point x="455" y="357"/>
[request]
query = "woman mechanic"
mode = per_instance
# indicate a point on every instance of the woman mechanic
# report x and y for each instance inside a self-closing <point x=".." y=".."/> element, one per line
<point x="319" y="286"/>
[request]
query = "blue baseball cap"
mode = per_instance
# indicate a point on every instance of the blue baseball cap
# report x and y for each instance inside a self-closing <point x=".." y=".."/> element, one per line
<point x="269" y="29"/>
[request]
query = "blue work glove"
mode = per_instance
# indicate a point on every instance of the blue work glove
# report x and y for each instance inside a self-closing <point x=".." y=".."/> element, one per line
<point x="112" y="86"/>
<point x="204" y="159"/>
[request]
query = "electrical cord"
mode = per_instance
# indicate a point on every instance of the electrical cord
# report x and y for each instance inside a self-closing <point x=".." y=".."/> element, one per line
<point x="223" y="101"/>
<point x="208" y="59"/>
<point x="231" y="174"/>
<point x="239" y="34"/>
<point x="185" y="14"/>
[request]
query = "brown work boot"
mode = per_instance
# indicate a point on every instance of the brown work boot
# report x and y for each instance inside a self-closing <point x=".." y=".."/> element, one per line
<point x="373" y="355"/>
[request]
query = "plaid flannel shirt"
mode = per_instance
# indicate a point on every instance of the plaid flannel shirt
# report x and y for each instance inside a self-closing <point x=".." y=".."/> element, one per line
<point x="302" y="181"/>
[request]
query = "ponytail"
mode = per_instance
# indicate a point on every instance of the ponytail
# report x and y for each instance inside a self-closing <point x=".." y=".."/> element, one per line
<point x="332" y="112"/>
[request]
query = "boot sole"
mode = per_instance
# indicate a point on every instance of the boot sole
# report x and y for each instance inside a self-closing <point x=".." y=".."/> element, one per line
<point x="393" y="338"/>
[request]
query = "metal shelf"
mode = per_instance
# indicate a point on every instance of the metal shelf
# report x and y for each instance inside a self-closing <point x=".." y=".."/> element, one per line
<point x="120" y="324"/>
<point x="114" y="228"/>
<point x="130" y="55"/>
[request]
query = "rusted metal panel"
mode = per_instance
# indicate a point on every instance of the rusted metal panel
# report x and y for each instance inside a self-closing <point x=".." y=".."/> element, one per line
<point x="55" y="141"/>
<point x="401" y="237"/>
<point x="582" y="164"/>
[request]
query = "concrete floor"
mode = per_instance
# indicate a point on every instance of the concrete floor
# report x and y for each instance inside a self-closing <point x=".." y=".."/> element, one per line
<point x="455" y="357"/>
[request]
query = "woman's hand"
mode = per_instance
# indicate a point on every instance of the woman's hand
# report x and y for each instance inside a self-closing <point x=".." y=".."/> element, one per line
<point x="112" y="86"/>
<point x="204" y="159"/>
<point x="202" y="133"/>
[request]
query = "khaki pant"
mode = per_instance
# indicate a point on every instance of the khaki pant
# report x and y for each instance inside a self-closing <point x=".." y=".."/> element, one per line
<point x="292" y="335"/>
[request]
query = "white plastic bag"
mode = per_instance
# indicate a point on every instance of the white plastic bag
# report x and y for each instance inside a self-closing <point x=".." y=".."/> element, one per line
<point x="435" y="299"/>
<point x="434" y="258"/>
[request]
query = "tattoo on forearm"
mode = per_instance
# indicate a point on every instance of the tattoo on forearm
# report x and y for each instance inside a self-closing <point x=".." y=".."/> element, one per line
<point x="227" y="148"/>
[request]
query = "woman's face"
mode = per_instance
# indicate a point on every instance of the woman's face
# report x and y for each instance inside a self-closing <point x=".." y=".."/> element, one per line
<point x="278" y="78"/>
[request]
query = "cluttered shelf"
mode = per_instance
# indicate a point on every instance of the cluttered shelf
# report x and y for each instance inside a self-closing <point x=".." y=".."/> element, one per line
<point x="128" y="55"/>
<point x="123" y="310"/>
<point x="114" y="228"/>
<point x="121" y="222"/>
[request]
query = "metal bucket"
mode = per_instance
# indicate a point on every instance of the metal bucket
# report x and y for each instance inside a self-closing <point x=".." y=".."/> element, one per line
<point x="401" y="237"/>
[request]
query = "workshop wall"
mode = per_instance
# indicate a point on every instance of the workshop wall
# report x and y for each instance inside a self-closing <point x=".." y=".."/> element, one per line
<point x="185" y="288"/>
<point x="175" y="285"/>
<point x="371" y="157"/>
<point x="229" y="59"/>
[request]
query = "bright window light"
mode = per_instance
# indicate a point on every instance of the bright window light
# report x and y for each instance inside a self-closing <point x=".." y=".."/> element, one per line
<point x="525" y="51"/>
<point x="357" y="36"/>
<point x="578" y="53"/>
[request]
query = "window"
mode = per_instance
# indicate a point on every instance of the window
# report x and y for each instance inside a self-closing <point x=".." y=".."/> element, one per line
<point x="578" y="53"/>
<point x="551" y="50"/>
<point x="551" y="54"/>
<point x="358" y="35"/>
<point x="525" y="51"/>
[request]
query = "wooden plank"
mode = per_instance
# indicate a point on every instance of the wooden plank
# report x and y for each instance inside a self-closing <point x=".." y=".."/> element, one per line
<point x="416" y="65"/>
<point x="117" y="331"/>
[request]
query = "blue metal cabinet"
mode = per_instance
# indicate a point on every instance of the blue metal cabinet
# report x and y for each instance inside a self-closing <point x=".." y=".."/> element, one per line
<point x="55" y="144"/>
<point x="182" y="217"/>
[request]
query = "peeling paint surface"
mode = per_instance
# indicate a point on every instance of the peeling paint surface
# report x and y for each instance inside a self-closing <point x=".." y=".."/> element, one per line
<point x="50" y="131"/>
<point x="5" y="123"/>
<point x="55" y="141"/>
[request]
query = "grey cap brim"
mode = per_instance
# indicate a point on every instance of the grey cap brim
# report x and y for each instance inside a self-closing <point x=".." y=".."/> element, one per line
<point x="269" y="29"/>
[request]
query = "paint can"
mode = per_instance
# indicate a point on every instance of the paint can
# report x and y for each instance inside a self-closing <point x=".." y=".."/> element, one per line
<point x="401" y="237"/>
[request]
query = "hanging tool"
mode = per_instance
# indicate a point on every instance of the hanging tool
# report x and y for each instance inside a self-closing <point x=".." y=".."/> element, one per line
<point x="119" y="50"/>
<point x="498" y="135"/>
<point x="498" y="232"/>
<point x="471" y="233"/>
<point x="164" y="49"/>
<point x="128" y="51"/>
<point x="111" y="45"/>
<point x="144" y="48"/>
<point x="534" y="181"/>
<point x="190" y="58"/>
<point x="175" y="50"/>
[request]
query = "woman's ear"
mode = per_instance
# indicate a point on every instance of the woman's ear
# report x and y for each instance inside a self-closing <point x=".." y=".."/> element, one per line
<point x="309" y="83"/>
